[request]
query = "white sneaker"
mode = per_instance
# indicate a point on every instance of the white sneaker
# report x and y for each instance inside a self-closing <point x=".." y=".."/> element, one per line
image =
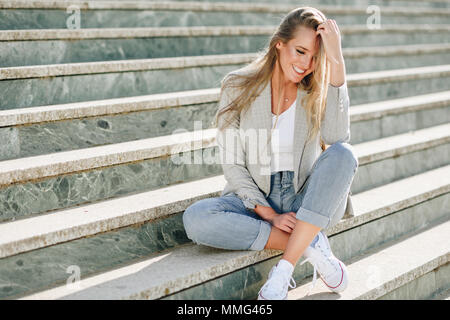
<point x="332" y="271"/>
<point x="276" y="286"/>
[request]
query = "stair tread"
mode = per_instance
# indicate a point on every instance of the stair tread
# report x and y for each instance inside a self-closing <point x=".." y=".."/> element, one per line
<point x="144" y="32"/>
<point x="67" y="224"/>
<point x="188" y="265"/>
<point x="29" y="168"/>
<point x="95" y="67"/>
<point x="227" y="6"/>
<point x="92" y="108"/>
<point x="384" y="269"/>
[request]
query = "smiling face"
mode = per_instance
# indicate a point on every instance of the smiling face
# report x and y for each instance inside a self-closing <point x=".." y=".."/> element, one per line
<point x="296" y="56"/>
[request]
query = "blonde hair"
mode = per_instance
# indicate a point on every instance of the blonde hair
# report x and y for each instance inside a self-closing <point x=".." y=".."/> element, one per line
<point x="315" y="84"/>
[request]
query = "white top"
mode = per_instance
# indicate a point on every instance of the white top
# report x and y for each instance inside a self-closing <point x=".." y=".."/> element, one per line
<point x="283" y="141"/>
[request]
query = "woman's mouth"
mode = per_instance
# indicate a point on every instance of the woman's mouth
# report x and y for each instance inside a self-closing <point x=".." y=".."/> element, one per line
<point x="298" y="70"/>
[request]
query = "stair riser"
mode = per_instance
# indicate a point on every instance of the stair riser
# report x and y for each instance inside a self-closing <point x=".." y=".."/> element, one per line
<point x="423" y="288"/>
<point x="43" y="138"/>
<point x="69" y="190"/>
<point x="117" y="248"/>
<point x="53" y="19"/>
<point x="396" y="89"/>
<point x="24" y="53"/>
<point x="65" y="89"/>
<point x="376" y="174"/>
<point x="384" y="3"/>
<point x="245" y="283"/>
<point x="368" y="130"/>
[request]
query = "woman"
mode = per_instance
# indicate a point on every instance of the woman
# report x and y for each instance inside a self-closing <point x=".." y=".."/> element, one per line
<point x="293" y="96"/>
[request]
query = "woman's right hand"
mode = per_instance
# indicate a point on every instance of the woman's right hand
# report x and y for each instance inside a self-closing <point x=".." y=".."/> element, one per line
<point x="284" y="221"/>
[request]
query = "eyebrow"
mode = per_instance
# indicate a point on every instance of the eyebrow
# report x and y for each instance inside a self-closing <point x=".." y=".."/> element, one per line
<point x="303" y="48"/>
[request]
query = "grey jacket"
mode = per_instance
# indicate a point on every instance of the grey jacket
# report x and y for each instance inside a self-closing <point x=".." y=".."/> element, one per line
<point x="244" y="146"/>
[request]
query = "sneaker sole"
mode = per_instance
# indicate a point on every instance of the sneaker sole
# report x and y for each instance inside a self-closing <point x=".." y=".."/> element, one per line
<point x="260" y="297"/>
<point x="342" y="284"/>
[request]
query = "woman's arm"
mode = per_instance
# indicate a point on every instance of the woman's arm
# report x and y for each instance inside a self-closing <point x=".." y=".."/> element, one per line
<point x="336" y="123"/>
<point x="232" y="157"/>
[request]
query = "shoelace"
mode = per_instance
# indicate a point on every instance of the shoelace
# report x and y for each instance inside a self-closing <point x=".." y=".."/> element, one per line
<point x="314" y="275"/>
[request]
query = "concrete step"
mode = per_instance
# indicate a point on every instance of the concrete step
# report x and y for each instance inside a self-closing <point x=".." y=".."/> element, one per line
<point x="51" y="46"/>
<point x="385" y="3"/>
<point x="414" y="267"/>
<point x="66" y="83"/>
<point x="60" y="180"/>
<point x="200" y="272"/>
<point x="82" y="221"/>
<point x="113" y="14"/>
<point x="35" y="131"/>
<point x="445" y="295"/>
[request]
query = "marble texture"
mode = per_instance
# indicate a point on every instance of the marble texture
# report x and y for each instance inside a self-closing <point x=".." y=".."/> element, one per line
<point x="190" y="16"/>
<point x="70" y="189"/>
<point x="423" y="288"/>
<point x="43" y="138"/>
<point x="57" y="90"/>
<point x="49" y="137"/>
<point x="87" y="50"/>
<point x="66" y="89"/>
<point x="388" y="170"/>
<point x="360" y="94"/>
<point x="384" y="3"/>
<point x="387" y="3"/>
<point x="23" y="200"/>
<point x="54" y="50"/>
<point x="18" y="274"/>
<point x="393" y="124"/>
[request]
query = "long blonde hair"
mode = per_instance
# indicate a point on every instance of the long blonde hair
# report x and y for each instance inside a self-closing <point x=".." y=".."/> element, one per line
<point x="315" y="84"/>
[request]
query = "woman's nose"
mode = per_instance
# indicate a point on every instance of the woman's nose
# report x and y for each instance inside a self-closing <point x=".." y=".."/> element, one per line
<point x="305" y="62"/>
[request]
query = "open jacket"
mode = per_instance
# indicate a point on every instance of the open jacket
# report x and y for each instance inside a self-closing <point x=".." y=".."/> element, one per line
<point x="246" y="165"/>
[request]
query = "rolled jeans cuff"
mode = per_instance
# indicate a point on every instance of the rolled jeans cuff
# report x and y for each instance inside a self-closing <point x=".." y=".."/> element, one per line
<point x="312" y="217"/>
<point x="263" y="236"/>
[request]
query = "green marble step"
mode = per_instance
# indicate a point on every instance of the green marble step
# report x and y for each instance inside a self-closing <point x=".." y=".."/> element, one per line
<point x="92" y="14"/>
<point x="199" y="272"/>
<point x="443" y="295"/>
<point x="413" y="267"/>
<point x="123" y="246"/>
<point x="35" y="131"/>
<point x="33" y="47"/>
<point x="32" y="186"/>
<point x="83" y="221"/>
<point x="395" y="3"/>
<point x="66" y="83"/>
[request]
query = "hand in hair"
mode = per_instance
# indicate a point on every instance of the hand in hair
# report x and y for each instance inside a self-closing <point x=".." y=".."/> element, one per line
<point x="331" y="39"/>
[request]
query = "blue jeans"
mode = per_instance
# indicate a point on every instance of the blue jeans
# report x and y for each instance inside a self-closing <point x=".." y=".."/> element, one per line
<point x="224" y="222"/>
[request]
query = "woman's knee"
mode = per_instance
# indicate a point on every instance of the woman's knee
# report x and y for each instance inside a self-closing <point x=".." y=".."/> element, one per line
<point x="196" y="215"/>
<point x="345" y="153"/>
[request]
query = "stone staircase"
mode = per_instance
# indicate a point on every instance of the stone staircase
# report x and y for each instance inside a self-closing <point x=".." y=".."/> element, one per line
<point x="103" y="148"/>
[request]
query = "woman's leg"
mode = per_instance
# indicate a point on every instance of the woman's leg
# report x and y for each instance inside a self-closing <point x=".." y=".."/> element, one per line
<point x="224" y="222"/>
<point x="327" y="188"/>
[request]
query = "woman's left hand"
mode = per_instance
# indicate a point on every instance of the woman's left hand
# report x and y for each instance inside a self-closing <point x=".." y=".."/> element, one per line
<point x="331" y="39"/>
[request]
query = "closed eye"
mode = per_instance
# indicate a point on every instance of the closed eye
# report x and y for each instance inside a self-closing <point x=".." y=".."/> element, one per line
<point x="301" y="52"/>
